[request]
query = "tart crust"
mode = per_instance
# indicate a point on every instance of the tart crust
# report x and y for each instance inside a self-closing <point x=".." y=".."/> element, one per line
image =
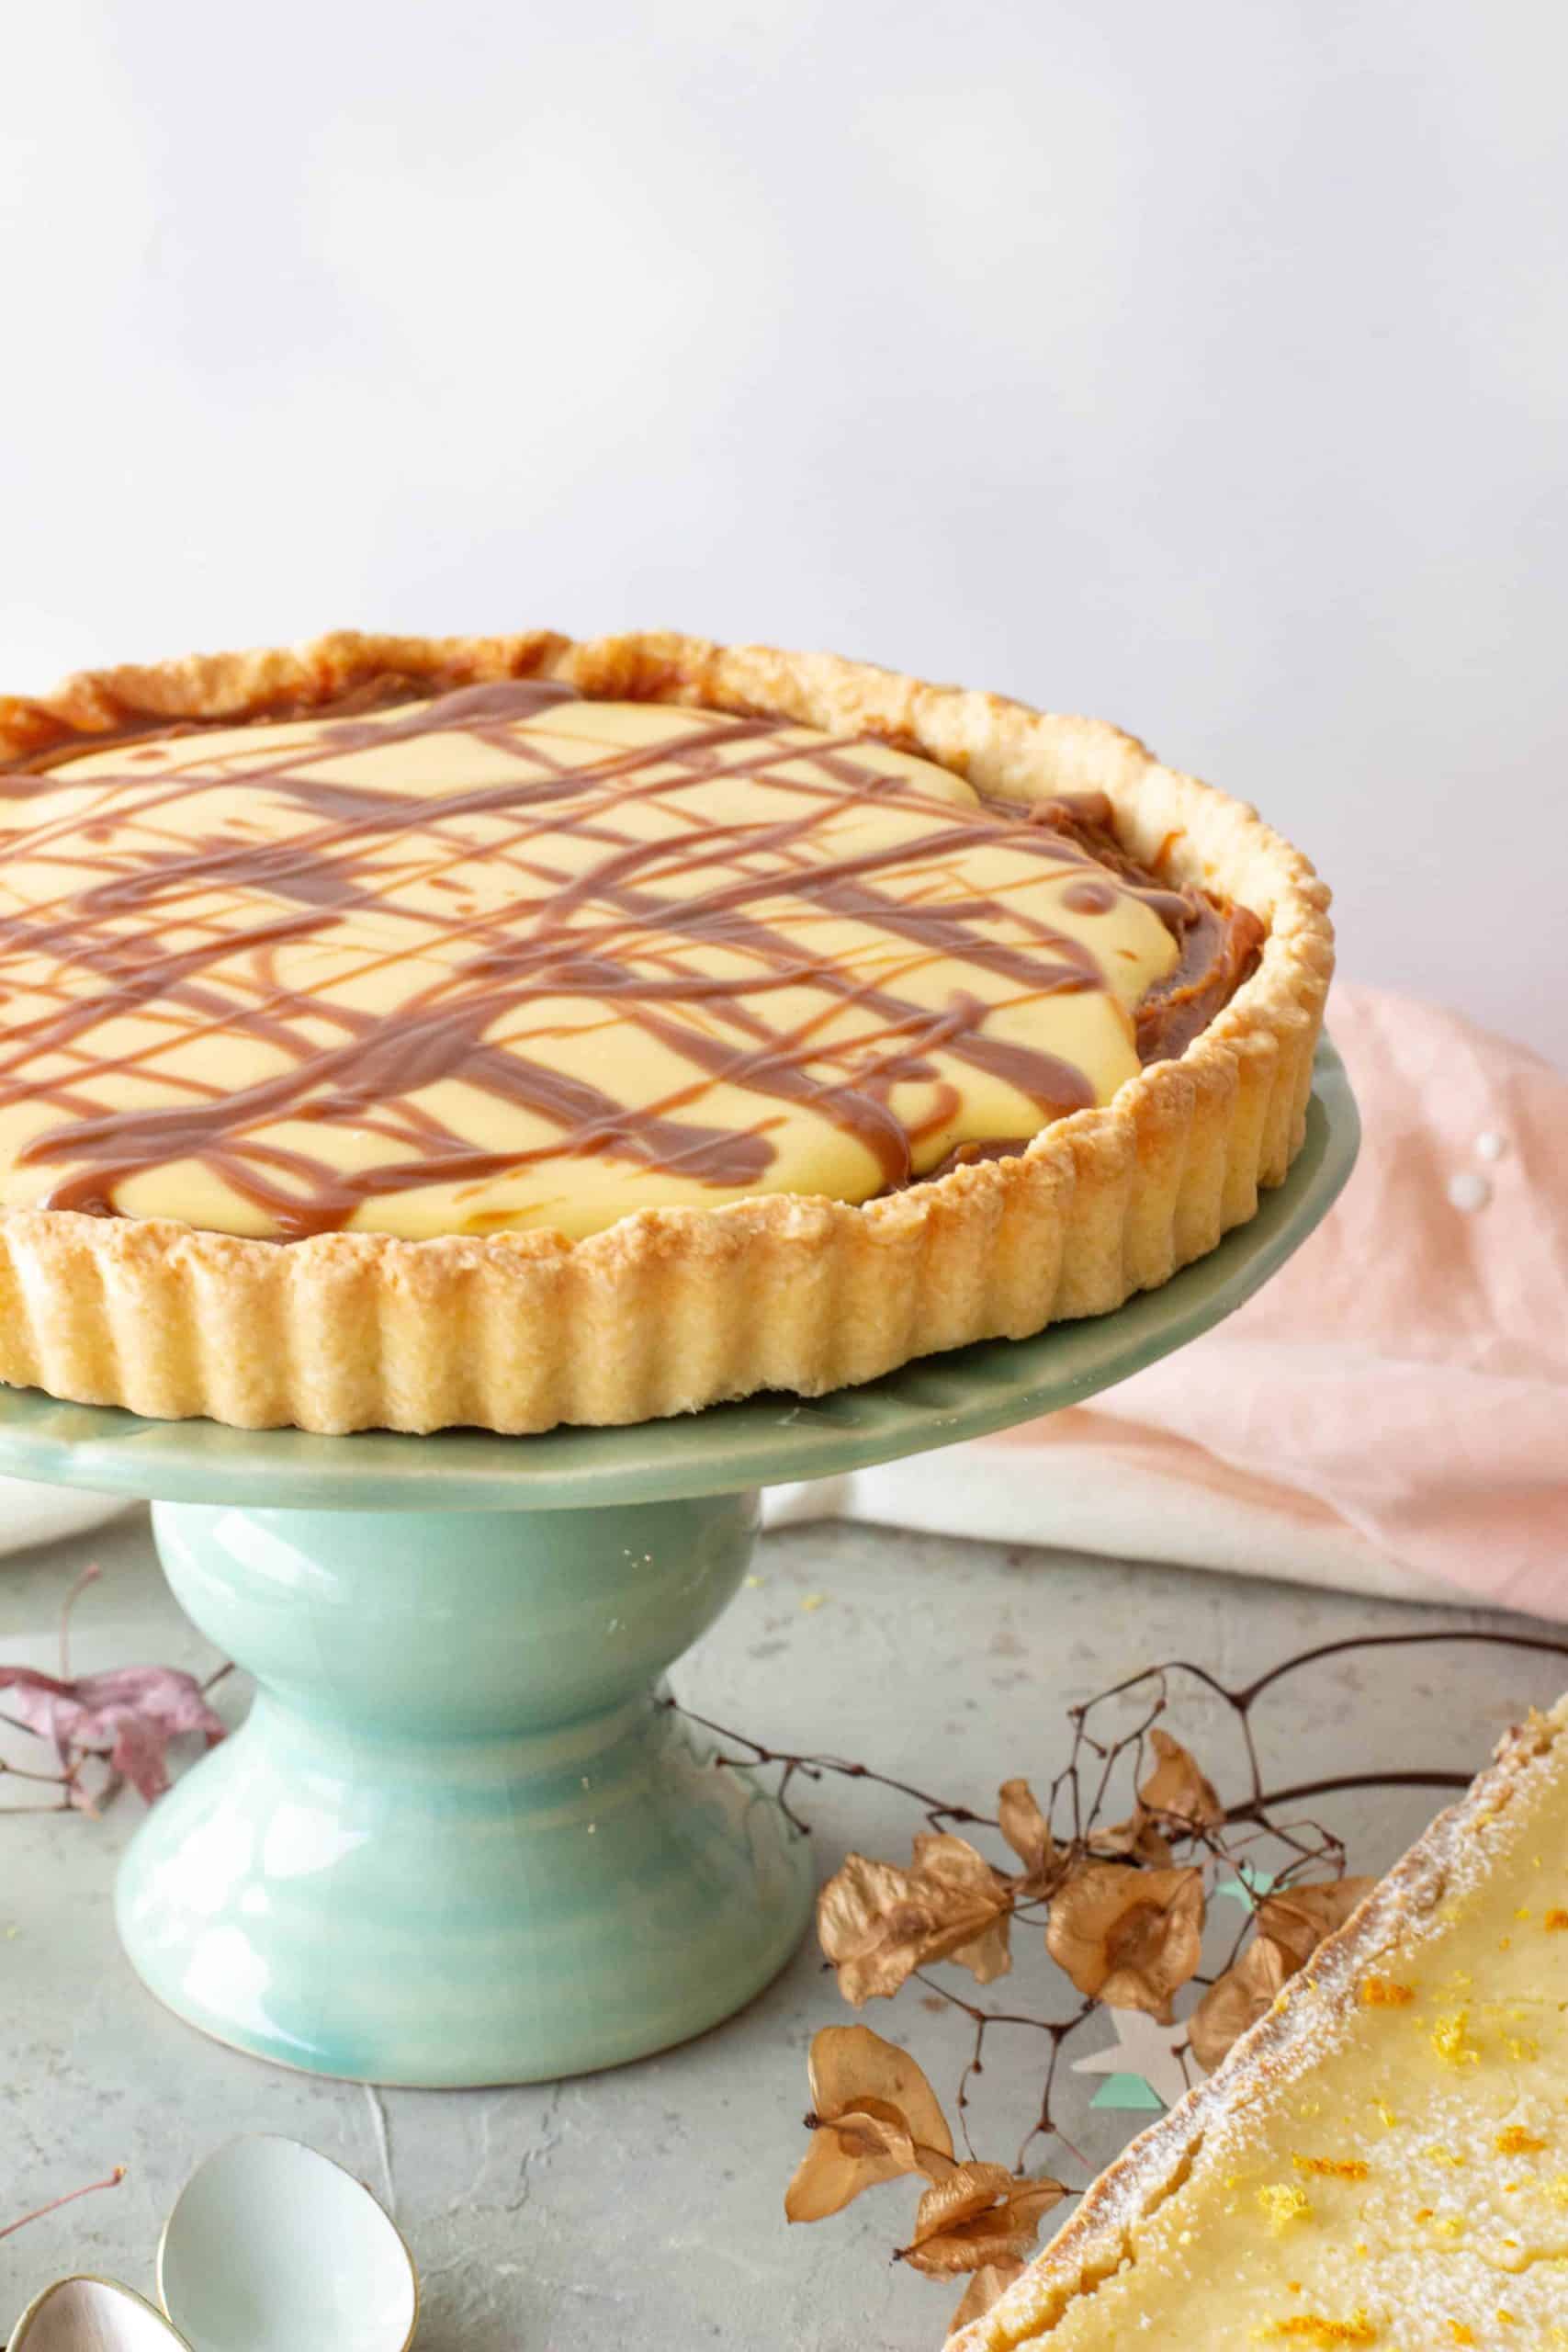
<point x="1101" y="2235"/>
<point x="675" y="1309"/>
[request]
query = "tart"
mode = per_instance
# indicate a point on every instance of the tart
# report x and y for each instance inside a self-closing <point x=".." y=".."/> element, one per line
<point x="1383" y="2161"/>
<point x="406" y="1033"/>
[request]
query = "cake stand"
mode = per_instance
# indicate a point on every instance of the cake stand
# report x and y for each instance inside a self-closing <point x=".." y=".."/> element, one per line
<point x="457" y="1840"/>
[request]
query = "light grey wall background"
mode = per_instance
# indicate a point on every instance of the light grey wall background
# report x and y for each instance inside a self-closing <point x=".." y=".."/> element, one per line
<point x="1201" y="367"/>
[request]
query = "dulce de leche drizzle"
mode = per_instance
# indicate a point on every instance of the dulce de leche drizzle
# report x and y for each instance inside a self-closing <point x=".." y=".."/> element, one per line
<point x="488" y="960"/>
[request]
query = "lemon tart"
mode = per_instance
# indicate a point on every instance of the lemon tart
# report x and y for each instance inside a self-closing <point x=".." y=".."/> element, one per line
<point x="1383" y="2161"/>
<point x="405" y="1033"/>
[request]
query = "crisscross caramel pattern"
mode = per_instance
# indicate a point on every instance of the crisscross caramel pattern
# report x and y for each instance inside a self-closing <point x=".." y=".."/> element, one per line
<point x="456" y="965"/>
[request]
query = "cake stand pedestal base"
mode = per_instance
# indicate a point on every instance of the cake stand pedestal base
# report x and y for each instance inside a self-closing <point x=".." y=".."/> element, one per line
<point x="458" y="1839"/>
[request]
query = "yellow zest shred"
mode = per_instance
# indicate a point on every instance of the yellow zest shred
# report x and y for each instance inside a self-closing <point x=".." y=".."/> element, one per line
<point x="1308" y="2327"/>
<point x="1282" y="2202"/>
<point x="1449" y="2039"/>
<point x="1515" y="2140"/>
<point x="1383" y="1993"/>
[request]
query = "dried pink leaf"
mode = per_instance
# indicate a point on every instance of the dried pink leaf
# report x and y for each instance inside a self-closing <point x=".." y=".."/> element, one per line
<point x="128" y="1713"/>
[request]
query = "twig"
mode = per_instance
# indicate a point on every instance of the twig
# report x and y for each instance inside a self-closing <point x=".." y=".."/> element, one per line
<point x="814" y="1767"/>
<point x="70" y="2197"/>
<point x="1257" y="1808"/>
<point x="89" y="1575"/>
<point x="1254" y="1690"/>
<point x="1060" y="2030"/>
<point x="1083" y="1790"/>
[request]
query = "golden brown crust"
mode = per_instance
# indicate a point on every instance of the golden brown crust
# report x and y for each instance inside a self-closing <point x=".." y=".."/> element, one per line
<point x="673" y="1309"/>
<point x="1096" y="2241"/>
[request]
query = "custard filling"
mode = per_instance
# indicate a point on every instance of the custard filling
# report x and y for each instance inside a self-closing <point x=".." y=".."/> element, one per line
<point x="504" y="959"/>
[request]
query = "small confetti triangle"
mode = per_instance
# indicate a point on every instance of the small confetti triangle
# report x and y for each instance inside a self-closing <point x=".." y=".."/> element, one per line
<point x="1144" y="2054"/>
<point x="1247" y="1883"/>
<point x="1130" y="2093"/>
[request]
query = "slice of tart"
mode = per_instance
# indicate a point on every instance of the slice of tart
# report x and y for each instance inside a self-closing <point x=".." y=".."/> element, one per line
<point x="512" y="1031"/>
<point x="1384" y="2160"/>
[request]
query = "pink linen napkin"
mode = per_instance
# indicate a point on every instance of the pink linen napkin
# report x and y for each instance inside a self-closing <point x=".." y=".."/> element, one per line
<point x="1391" y="1412"/>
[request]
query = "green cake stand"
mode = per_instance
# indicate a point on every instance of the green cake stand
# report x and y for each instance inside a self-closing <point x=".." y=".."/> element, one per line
<point x="457" y="1840"/>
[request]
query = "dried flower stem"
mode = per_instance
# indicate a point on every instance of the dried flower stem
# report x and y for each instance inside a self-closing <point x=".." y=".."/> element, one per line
<point x="1060" y="2030"/>
<point x="42" y="1780"/>
<point x="1081" y="1791"/>
<point x="70" y="2197"/>
<point x="1256" y="1807"/>
<point x="123" y="1719"/>
<point x="89" y="1575"/>
<point x="813" y="1767"/>
<point x="65" y="1780"/>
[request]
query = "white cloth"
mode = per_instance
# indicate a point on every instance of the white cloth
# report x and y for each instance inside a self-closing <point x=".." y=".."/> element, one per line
<point x="31" y="1514"/>
<point x="1008" y="1496"/>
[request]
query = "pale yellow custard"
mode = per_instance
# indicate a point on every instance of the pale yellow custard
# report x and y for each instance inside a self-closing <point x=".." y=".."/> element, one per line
<point x="512" y="959"/>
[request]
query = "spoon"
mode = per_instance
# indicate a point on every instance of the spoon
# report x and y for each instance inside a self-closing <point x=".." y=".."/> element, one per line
<point x="274" y="2248"/>
<point x="93" y="2316"/>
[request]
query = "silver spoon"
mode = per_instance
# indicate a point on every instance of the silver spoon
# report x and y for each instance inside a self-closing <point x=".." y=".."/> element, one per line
<point x="93" y="2316"/>
<point x="273" y="2247"/>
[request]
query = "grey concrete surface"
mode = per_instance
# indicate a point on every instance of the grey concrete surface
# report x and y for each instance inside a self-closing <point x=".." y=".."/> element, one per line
<point x="643" y="2208"/>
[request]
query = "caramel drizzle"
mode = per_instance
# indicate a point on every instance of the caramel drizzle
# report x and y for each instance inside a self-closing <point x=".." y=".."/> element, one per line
<point x="603" y="934"/>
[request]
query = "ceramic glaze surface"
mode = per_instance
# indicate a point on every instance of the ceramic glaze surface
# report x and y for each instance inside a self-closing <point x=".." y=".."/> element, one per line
<point x="273" y="2247"/>
<point x="458" y="1839"/>
<point x="763" y="1442"/>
